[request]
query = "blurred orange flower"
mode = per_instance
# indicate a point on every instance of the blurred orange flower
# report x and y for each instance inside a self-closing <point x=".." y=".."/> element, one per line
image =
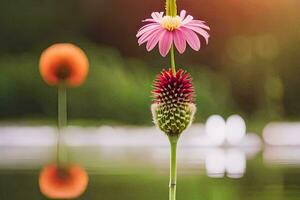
<point x="64" y="63"/>
<point x="63" y="183"/>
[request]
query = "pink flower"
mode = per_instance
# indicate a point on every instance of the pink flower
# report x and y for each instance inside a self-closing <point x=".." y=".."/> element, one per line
<point x="166" y="30"/>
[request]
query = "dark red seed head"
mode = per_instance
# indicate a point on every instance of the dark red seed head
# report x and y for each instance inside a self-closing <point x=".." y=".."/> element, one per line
<point x="173" y="89"/>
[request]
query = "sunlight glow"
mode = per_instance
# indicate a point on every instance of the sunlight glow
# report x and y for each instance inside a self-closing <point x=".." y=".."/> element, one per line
<point x="215" y="129"/>
<point x="282" y="134"/>
<point x="235" y="129"/>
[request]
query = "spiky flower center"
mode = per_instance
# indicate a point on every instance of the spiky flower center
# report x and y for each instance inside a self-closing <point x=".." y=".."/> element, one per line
<point x="171" y="23"/>
<point x="173" y="90"/>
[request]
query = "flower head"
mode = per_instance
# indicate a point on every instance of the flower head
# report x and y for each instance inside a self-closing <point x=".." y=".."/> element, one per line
<point x="166" y="30"/>
<point x="63" y="183"/>
<point x="173" y="108"/>
<point x="64" y="63"/>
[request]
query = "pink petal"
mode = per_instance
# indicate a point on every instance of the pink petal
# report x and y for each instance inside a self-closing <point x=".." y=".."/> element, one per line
<point x="191" y="38"/>
<point x="199" y="24"/>
<point x="146" y="28"/>
<point x="179" y="41"/>
<point x="149" y="20"/>
<point x="152" y="42"/>
<point x="165" y="43"/>
<point x="199" y="31"/>
<point x="188" y="19"/>
<point x="146" y="36"/>
<point x="147" y="25"/>
<point x="182" y="14"/>
<point x="156" y="16"/>
<point x="198" y="21"/>
<point x="161" y="14"/>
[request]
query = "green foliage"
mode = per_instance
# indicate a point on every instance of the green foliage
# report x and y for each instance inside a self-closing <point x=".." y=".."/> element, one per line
<point x="116" y="90"/>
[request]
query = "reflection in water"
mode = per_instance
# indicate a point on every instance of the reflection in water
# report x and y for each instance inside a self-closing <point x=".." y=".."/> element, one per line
<point x="60" y="180"/>
<point x="141" y="155"/>
<point x="229" y="133"/>
<point x="215" y="163"/>
<point x="283" y="143"/>
<point x="282" y="155"/>
<point x="117" y="148"/>
<point x="27" y="136"/>
<point x="219" y="162"/>
<point x="63" y="182"/>
<point x="232" y="133"/>
<point x="235" y="163"/>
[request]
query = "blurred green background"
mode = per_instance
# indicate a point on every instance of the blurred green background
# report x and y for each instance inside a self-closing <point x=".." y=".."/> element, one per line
<point x="251" y="65"/>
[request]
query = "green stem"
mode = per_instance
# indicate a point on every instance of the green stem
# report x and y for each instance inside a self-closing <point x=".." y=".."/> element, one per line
<point x="171" y="10"/>
<point x="62" y="106"/>
<point x="62" y="116"/>
<point x="173" y="167"/>
<point x="173" y="65"/>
